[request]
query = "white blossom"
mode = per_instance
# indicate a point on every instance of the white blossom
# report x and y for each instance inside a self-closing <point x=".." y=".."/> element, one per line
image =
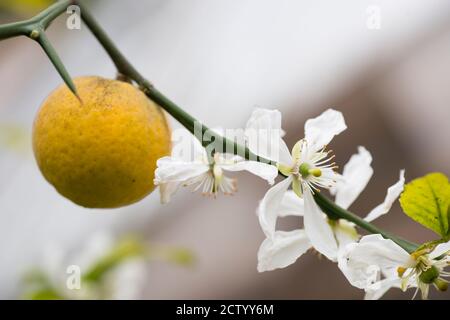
<point x="376" y="264"/>
<point x="208" y="175"/>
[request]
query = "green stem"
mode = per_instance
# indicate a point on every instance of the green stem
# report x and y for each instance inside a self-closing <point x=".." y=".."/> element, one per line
<point x="329" y="206"/>
<point x="34" y="28"/>
<point x="15" y="29"/>
<point x="41" y="20"/>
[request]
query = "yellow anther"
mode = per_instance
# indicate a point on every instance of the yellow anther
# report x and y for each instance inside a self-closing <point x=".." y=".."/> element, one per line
<point x="417" y="254"/>
<point x="401" y="271"/>
<point x="315" y="172"/>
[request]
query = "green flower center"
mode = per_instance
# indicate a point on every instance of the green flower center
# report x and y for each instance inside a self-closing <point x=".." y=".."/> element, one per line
<point x="430" y="275"/>
<point x="305" y="170"/>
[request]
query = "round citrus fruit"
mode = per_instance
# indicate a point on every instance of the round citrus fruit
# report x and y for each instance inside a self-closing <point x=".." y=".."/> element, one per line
<point x="100" y="152"/>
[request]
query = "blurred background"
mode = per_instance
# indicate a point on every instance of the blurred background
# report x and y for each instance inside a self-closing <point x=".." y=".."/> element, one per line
<point x="384" y="64"/>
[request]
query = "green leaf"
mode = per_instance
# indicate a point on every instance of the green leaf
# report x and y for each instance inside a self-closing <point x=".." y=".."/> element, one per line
<point x="426" y="200"/>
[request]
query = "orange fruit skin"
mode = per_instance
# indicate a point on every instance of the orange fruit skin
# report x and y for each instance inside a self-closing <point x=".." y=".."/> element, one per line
<point x="101" y="152"/>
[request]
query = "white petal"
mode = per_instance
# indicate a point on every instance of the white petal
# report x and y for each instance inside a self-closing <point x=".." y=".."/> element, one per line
<point x="166" y="190"/>
<point x="291" y="205"/>
<point x="263" y="133"/>
<point x="378" y="289"/>
<point x="440" y="249"/>
<point x="345" y="232"/>
<point x="282" y="250"/>
<point x="317" y="228"/>
<point x="393" y="193"/>
<point x="269" y="206"/>
<point x="262" y="170"/>
<point x="363" y="263"/>
<point x="321" y="130"/>
<point x="170" y="169"/>
<point x="359" y="274"/>
<point x="171" y="173"/>
<point x="374" y="250"/>
<point x="357" y="173"/>
<point x="128" y="280"/>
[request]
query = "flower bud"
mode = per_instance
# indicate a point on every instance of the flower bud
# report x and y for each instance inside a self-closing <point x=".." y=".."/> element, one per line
<point x="442" y="285"/>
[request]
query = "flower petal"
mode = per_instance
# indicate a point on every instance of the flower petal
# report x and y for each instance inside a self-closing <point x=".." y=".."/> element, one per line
<point x="357" y="173"/>
<point x="321" y="130"/>
<point x="171" y="173"/>
<point x="378" y="289"/>
<point x="166" y="190"/>
<point x="440" y="249"/>
<point x="317" y="228"/>
<point x="263" y="133"/>
<point x="345" y="232"/>
<point x="262" y="170"/>
<point x="269" y="206"/>
<point x="384" y="251"/>
<point x="358" y="274"/>
<point x="373" y="253"/>
<point x="393" y="193"/>
<point x="291" y="205"/>
<point x="282" y="250"/>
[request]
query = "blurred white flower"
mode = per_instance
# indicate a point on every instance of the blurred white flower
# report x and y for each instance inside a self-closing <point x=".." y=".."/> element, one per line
<point x="127" y="282"/>
<point x="306" y="168"/>
<point x="376" y="264"/>
<point x="184" y="169"/>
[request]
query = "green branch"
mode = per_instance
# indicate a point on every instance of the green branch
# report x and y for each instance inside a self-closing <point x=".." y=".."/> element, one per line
<point x="34" y="28"/>
<point x="329" y="206"/>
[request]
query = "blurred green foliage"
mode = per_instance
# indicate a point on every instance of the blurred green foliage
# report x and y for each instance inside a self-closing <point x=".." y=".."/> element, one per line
<point x="14" y="137"/>
<point x="41" y="285"/>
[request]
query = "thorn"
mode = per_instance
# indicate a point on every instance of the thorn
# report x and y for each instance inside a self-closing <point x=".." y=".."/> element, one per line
<point x="35" y="34"/>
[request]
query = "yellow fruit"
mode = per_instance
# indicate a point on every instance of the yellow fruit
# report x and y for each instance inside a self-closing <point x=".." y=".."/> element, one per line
<point x="100" y="153"/>
<point x="25" y="7"/>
